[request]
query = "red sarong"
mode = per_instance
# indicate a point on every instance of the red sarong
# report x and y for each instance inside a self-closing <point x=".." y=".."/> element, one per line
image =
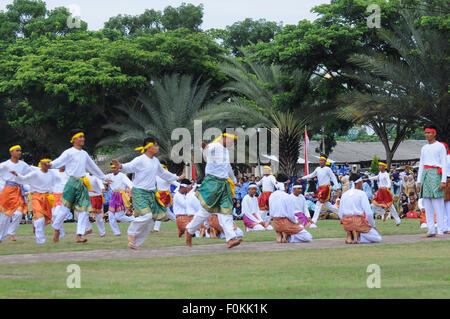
<point x="57" y="200"/>
<point x="97" y="204"/>
<point x="383" y="198"/>
<point x="323" y="193"/>
<point x="263" y="200"/>
<point x="164" y="198"/>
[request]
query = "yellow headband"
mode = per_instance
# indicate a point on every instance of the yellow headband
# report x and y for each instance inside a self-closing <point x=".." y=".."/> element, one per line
<point x="268" y="167"/>
<point x="227" y="135"/>
<point x="328" y="163"/>
<point x="381" y="163"/>
<point x="12" y="148"/>
<point x="76" y="135"/>
<point x="112" y="166"/>
<point x="44" y="160"/>
<point x="323" y="157"/>
<point x="142" y="149"/>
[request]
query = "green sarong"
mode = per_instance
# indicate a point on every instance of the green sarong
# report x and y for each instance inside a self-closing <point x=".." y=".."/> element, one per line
<point x="215" y="195"/>
<point x="429" y="185"/>
<point x="76" y="196"/>
<point x="145" y="202"/>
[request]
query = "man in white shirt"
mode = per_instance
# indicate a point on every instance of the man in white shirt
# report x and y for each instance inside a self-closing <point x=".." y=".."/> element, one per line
<point x="96" y="197"/>
<point x="252" y="219"/>
<point x="76" y="192"/>
<point x="300" y="205"/>
<point x="324" y="176"/>
<point x="286" y="224"/>
<point x="356" y="214"/>
<point x="215" y="193"/>
<point x="61" y="179"/>
<point x="383" y="199"/>
<point x="431" y="181"/>
<point x="40" y="181"/>
<point x="268" y="186"/>
<point x="12" y="199"/>
<point x="146" y="206"/>
<point x="180" y="206"/>
<point x="447" y="194"/>
<point x="119" y="201"/>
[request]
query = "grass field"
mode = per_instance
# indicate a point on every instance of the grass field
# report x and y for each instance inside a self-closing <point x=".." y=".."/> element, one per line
<point x="418" y="270"/>
<point x="26" y="243"/>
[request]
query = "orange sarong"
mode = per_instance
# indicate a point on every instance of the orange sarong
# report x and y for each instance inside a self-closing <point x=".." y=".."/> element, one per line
<point x="356" y="223"/>
<point x="41" y="207"/>
<point x="11" y="200"/>
<point x="285" y="225"/>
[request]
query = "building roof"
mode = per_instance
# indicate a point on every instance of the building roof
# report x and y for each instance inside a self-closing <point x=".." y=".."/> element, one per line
<point x="355" y="152"/>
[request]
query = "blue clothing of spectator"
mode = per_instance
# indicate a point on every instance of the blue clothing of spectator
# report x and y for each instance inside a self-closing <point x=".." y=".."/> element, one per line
<point x="107" y="196"/>
<point x="237" y="191"/>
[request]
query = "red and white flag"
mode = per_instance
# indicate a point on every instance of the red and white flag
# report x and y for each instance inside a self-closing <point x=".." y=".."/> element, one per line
<point x="306" y="151"/>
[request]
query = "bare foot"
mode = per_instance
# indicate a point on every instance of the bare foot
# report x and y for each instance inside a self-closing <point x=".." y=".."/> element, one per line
<point x="234" y="242"/>
<point x="429" y="235"/>
<point x="12" y="238"/>
<point x="188" y="239"/>
<point x="134" y="247"/>
<point x="88" y="232"/>
<point x="132" y="239"/>
<point x="80" y="239"/>
<point x="56" y="236"/>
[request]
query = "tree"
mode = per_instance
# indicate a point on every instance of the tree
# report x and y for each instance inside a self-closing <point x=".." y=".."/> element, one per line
<point x="185" y="16"/>
<point x="374" y="165"/>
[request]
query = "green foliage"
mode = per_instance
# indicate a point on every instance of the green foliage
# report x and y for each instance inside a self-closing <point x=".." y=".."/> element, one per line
<point x="374" y="165"/>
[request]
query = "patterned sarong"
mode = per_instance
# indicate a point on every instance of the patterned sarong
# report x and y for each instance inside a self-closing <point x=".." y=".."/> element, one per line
<point x="11" y="200"/>
<point x="97" y="204"/>
<point x="164" y="198"/>
<point x="57" y="200"/>
<point x="116" y="203"/>
<point x="215" y="195"/>
<point x="263" y="200"/>
<point x="383" y="198"/>
<point x="183" y="220"/>
<point x="447" y="189"/>
<point x="303" y="219"/>
<point x="285" y="225"/>
<point x="42" y="207"/>
<point x="323" y="193"/>
<point x="145" y="202"/>
<point x="429" y="185"/>
<point x="76" y="196"/>
<point x="355" y="222"/>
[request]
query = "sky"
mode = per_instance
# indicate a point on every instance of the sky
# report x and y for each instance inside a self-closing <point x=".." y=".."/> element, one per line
<point x="216" y="13"/>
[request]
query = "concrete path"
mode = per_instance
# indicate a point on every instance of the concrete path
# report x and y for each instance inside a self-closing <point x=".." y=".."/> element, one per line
<point x="200" y="250"/>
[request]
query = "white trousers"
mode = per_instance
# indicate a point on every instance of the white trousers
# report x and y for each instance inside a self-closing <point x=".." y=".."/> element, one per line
<point x="157" y="225"/>
<point x="39" y="226"/>
<point x="380" y="211"/>
<point x="118" y="217"/>
<point x="82" y="220"/>
<point x="265" y="216"/>
<point x="226" y="221"/>
<point x="257" y="227"/>
<point x="14" y="223"/>
<point x="59" y="215"/>
<point x="447" y="215"/>
<point x="4" y="222"/>
<point x="99" y="221"/>
<point x="301" y="237"/>
<point x="370" y="237"/>
<point x="140" y="228"/>
<point x="319" y="207"/>
<point x="434" y="205"/>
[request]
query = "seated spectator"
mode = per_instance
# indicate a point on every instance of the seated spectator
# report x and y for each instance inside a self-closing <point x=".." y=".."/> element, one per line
<point x="237" y="212"/>
<point x="404" y="201"/>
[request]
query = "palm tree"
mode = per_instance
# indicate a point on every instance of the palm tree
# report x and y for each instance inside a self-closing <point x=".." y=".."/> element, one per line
<point x="250" y="97"/>
<point x="172" y="103"/>
<point x="404" y="91"/>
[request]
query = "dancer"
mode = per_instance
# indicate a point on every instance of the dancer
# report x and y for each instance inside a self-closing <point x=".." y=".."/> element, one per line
<point x="356" y="214"/>
<point x="119" y="201"/>
<point x="163" y="195"/>
<point x="180" y="206"/>
<point x="76" y="191"/>
<point x="215" y="192"/>
<point x="324" y="176"/>
<point x="383" y="198"/>
<point x="146" y="206"/>
<point x="447" y="194"/>
<point x="300" y="205"/>
<point x="252" y="219"/>
<point x="61" y="179"/>
<point x="431" y="181"/>
<point x="12" y="198"/>
<point x="192" y="207"/>
<point x="96" y="198"/>
<point x="268" y="185"/>
<point x="40" y="181"/>
<point x="286" y="224"/>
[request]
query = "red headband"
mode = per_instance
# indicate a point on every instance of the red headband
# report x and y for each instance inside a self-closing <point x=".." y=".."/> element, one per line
<point x="430" y="130"/>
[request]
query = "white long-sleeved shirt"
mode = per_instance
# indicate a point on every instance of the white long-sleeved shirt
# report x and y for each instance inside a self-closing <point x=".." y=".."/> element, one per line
<point x="163" y="185"/>
<point x="268" y="183"/>
<point x="61" y="179"/>
<point x="39" y="181"/>
<point x="145" y="170"/>
<point x="96" y="185"/>
<point x="433" y="155"/>
<point x="218" y="161"/>
<point x="282" y="205"/>
<point x="300" y="205"/>
<point x="324" y="176"/>
<point x="250" y="207"/>
<point x="192" y="203"/>
<point x="77" y="162"/>
<point x="20" y="167"/>
<point x="179" y="204"/>
<point x="448" y="165"/>
<point x="383" y="179"/>
<point x="355" y="202"/>
<point x="120" y="182"/>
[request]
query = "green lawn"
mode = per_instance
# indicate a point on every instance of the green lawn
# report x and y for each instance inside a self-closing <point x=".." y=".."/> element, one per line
<point x="417" y="270"/>
<point x="26" y="243"/>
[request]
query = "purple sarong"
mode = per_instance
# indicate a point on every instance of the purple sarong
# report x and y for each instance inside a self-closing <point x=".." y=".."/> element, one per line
<point x="116" y="203"/>
<point x="303" y="219"/>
